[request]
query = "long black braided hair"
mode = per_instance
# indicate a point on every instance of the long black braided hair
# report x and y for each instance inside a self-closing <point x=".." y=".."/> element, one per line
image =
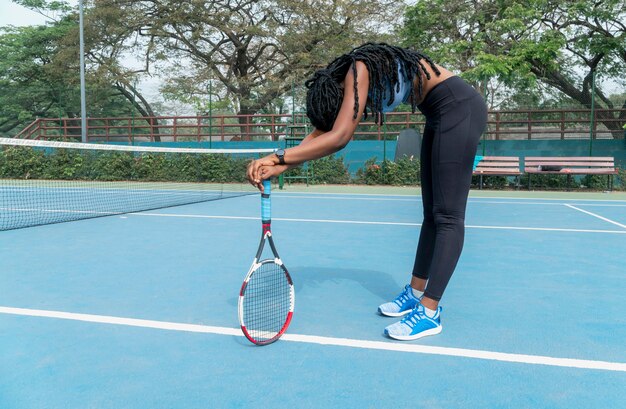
<point x="325" y="94"/>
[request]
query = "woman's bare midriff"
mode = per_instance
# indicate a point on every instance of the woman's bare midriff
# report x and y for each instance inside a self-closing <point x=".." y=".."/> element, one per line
<point x="428" y="84"/>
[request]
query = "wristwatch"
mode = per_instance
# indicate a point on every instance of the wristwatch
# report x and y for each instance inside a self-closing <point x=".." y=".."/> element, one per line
<point x="280" y="153"/>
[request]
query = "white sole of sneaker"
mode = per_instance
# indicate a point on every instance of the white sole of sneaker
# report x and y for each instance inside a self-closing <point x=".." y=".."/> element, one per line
<point x="432" y="331"/>
<point x="394" y="314"/>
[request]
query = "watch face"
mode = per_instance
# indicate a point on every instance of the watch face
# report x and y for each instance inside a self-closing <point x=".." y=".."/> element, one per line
<point x="280" y="153"/>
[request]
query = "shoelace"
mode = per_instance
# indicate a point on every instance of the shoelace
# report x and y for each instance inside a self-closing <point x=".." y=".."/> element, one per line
<point x="414" y="316"/>
<point x="402" y="298"/>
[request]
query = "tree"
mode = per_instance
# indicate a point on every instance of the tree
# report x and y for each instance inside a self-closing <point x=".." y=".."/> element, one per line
<point x="30" y="84"/>
<point x="255" y="49"/>
<point x="562" y="44"/>
<point x="39" y="71"/>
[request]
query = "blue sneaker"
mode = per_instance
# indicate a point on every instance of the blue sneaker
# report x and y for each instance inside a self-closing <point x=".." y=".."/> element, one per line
<point x="415" y="325"/>
<point x="403" y="304"/>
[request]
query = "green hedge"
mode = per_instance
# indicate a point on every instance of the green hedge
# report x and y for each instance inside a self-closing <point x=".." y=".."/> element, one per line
<point x="31" y="163"/>
<point x="328" y="170"/>
<point x="585" y="182"/>
<point x="62" y="164"/>
<point x="494" y="182"/>
<point x="403" y="172"/>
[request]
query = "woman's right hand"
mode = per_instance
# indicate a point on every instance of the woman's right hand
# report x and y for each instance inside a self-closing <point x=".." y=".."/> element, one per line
<point x="262" y="169"/>
<point x="268" y="172"/>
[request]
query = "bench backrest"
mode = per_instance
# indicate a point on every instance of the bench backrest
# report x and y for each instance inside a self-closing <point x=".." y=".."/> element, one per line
<point x="498" y="165"/>
<point x="578" y="162"/>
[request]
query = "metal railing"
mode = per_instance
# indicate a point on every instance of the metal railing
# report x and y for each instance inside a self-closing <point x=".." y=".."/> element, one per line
<point x="556" y="124"/>
<point x="502" y="125"/>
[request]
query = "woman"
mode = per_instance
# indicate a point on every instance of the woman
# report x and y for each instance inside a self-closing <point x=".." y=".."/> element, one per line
<point x="377" y="78"/>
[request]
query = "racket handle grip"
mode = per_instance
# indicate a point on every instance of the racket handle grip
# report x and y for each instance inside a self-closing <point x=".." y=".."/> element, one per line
<point x="266" y="204"/>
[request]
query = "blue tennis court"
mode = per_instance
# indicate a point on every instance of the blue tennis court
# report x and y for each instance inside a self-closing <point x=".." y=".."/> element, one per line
<point x="140" y="310"/>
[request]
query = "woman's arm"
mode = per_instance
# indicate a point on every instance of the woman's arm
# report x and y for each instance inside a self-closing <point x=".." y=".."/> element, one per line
<point x="345" y="124"/>
<point x="318" y="144"/>
<point x="269" y="169"/>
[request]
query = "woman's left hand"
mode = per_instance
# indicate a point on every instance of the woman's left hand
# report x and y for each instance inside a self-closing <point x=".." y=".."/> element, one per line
<point x="254" y="171"/>
<point x="262" y="169"/>
<point x="272" y="171"/>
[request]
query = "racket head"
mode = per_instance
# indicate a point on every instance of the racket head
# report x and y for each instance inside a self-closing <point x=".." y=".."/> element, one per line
<point x="266" y="302"/>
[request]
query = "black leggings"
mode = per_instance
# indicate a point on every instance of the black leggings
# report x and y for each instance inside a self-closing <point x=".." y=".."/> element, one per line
<point x="456" y="116"/>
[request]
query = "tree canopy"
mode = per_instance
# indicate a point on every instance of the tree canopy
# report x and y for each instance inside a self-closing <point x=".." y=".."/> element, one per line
<point x="252" y="52"/>
<point x="559" y="44"/>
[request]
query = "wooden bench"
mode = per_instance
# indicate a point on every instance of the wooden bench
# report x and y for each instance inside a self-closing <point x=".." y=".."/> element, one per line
<point x="572" y="165"/>
<point x="498" y="166"/>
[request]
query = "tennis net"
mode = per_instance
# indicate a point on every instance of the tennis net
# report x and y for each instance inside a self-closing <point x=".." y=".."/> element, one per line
<point x="44" y="182"/>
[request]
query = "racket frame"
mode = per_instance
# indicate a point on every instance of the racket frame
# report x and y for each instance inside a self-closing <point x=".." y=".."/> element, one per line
<point x="266" y="237"/>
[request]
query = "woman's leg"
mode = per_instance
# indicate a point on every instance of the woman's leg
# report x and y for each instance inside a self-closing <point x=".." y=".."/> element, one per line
<point x="454" y="149"/>
<point x="426" y="243"/>
<point x="407" y="299"/>
<point x="458" y="120"/>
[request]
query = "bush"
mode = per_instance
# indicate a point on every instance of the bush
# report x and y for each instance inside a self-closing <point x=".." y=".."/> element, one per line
<point x="20" y="163"/>
<point x="559" y="182"/>
<point x="327" y="170"/>
<point x="595" y="182"/>
<point x="330" y="169"/>
<point x="492" y="182"/>
<point x="370" y="174"/>
<point x="404" y="172"/>
<point x="63" y="164"/>
<point x="113" y="166"/>
<point x="550" y="181"/>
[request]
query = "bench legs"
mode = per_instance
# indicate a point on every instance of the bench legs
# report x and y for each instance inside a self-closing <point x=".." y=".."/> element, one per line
<point x="518" y="181"/>
<point x="610" y="182"/>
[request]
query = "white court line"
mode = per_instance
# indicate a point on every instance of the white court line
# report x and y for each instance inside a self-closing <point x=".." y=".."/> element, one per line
<point x="200" y="216"/>
<point x="596" y="215"/>
<point x="375" y="199"/>
<point x="342" y="342"/>
<point x="546" y="229"/>
<point x="283" y="192"/>
<point x="471" y="201"/>
<point x="317" y="194"/>
<point x="577" y="199"/>
<point x="546" y="203"/>
<point x="601" y="205"/>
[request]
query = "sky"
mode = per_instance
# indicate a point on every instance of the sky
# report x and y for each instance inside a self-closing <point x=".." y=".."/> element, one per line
<point x="13" y="14"/>
<point x="16" y="15"/>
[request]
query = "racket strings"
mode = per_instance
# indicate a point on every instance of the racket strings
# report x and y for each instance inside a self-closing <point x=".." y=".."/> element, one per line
<point x="267" y="301"/>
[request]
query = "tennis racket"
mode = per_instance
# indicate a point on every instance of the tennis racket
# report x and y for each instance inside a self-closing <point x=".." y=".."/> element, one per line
<point x="267" y="297"/>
